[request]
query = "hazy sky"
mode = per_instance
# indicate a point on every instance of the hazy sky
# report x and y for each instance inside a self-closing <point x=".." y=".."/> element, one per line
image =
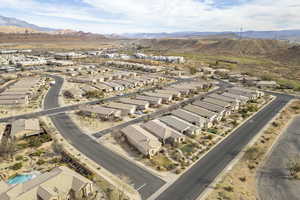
<point x="120" y="16"/>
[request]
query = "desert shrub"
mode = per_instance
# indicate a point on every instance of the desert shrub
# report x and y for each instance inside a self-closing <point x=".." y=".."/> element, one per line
<point x="228" y="188"/>
<point x="94" y="94"/>
<point x="213" y="130"/>
<point x="253" y="153"/>
<point x="19" y="158"/>
<point x="243" y="179"/>
<point x="17" y="166"/>
<point x="40" y="162"/>
<point x="293" y="166"/>
<point x="37" y="153"/>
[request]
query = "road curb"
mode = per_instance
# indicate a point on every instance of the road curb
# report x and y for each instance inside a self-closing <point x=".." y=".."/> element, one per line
<point x="219" y="177"/>
<point x="156" y="194"/>
<point x="271" y="149"/>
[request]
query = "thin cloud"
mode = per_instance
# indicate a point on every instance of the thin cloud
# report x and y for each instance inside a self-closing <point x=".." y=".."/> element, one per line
<point x="162" y="15"/>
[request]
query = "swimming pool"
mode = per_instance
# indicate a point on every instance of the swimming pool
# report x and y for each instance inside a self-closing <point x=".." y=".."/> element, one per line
<point x="22" y="178"/>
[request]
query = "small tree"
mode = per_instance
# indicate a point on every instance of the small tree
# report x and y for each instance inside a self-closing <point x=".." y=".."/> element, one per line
<point x="293" y="166"/>
<point x="253" y="153"/>
<point x="7" y="147"/>
<point x="17" y="166"/>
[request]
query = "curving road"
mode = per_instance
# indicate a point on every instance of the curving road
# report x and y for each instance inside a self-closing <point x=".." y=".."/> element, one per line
<point x="117" y="165"/>
<point x="51" y="105"/>
<point x="273" y="182"/>
<point x="191" y="184"/>
<point x="140" y="178"/>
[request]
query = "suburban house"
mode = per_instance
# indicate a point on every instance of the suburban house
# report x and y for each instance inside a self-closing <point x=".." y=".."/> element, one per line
<point x="140" y="104"/>
<point x="59" y="183"/>
<point x="211" y="107"/>
<point x="104" y="88"/>
<point x="141" y="81"/>
<point x="135" y="83"/>
<point x="19" y="93"/>
<point x="154" y="101"/>
<point x="266" y="84"/>
<point x="142" y="140"/>
<point x="183" y="91"/>
<point x="124" y="83"/>
<point x="186" y="87"/>
<point x="165" y="97"/>
<point x="99" y="78"/>
<point x="192" y="118"/>
<point x="199" y="85"/>
<point x="211" y="116"/>
<point x="180" y="125"/>
<point x="220" y="103"/>
<point x="241" y="98"/>
<point x="16" y="92"/>
<point x="15" y="96"/>
<point x="114" y="86"/>
<point x="251" y="96"/>
<point x="81" y="80"/>
<point x="243" y="91"/>
<point x="163" y="132"/>
<point x="25" y="128"/>
<point x="175" y="94"/>
<point x="13" y="102"/>
<point x="234" y="102"/>
<point x="100" y="112"/>
<point x="126" y="109"/>
<point x="87" y="88"/>
<point x="250" y="81"/>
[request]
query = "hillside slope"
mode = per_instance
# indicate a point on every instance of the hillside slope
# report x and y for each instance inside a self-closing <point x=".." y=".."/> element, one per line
<point x="243" y="47"/>
<point x="216" y="46"/>
<point x="45" y="37"/>
<point x="289" y="55"/>
<point x="15" y="29"/>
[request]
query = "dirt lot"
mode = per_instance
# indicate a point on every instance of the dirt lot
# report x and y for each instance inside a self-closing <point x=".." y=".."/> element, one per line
<point x="92" y="125"/>
<point x="240" y="181"/>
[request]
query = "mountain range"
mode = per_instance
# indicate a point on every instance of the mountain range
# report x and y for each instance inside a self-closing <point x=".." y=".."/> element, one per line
<point x="13" y="22"/>
<point x="291" y="35"/>
<point x="13" y="25"/>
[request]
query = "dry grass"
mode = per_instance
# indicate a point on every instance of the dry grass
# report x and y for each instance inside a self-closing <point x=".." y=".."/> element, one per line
<point x="242" y="177"/>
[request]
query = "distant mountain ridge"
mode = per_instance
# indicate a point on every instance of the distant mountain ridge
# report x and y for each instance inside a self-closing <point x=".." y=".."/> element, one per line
<point x="293" y="35"/>
<point x="8" y="21"/>
<point x="10" y="25"/>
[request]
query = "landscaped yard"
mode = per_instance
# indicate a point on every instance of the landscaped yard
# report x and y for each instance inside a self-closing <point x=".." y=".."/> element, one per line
<point x="161" y="162"/>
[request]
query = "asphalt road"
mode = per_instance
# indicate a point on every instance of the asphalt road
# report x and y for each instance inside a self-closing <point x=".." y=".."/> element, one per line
<point x="117" y="165"/>
<point x="191" y="184"/>
<point x="140" y="178"/>
<point x="51" y="99"/>
<point x="52" y="107"/>
<point x="273" y="182"/>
